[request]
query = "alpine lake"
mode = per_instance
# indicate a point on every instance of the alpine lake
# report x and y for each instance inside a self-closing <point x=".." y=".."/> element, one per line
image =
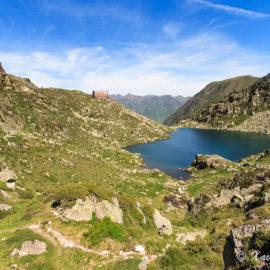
<point x="178" y="152"/>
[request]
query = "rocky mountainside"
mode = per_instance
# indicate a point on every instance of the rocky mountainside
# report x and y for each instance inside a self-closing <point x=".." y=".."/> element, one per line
<point x="247" y="110"/>
<point x="157" y="108"/>
<point x="72" y="198"/>
<point x="212" y="93"/>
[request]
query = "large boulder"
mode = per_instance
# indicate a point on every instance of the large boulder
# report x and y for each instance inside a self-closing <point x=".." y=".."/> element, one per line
<point x="30" y="248"/>
<point x="9" y="177"/>
<point x="163" y="224"/>
<point x="4" y="207"/>
<point x="107" y="209"/>
<point x="82" y="210"/>
<point x="245" y="237"/>
<point x="210" y="161"/>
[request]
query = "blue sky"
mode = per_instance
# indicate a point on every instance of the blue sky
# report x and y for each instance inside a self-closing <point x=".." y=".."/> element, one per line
<point x="137" y="46"/>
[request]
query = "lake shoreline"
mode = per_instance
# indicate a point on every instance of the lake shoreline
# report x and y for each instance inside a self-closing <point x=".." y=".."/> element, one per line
<point x="174" y="154"/>
<point x="197" y="125"/>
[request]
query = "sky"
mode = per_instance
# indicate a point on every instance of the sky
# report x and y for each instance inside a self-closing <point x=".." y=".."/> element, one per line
<point x="159" y="47"/>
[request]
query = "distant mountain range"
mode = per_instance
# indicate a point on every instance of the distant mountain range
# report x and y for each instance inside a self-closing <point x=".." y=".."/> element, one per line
<point x="157" y="108"/>
<point x="212" y="93"/>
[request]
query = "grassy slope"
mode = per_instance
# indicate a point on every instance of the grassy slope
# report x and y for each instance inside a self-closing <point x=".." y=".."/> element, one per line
<point x="52" y="137"/>
<point x="210" y="94"/>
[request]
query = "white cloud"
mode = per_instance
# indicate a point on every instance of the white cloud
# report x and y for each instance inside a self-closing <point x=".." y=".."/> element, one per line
<point x="182" y="67"/>
<point x="100" y="9"/>
<point x="172" y="29"/>
<point x="232" y="10"/>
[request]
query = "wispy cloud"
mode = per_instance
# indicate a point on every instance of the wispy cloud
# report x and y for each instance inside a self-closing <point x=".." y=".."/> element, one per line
<point x="232" y="10"/>
<point x="101" y="10"/>
<point x="172" y="29"/>
<point x="180" y="67"/>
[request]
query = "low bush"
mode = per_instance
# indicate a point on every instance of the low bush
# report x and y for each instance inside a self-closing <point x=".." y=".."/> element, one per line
<point x="104" y="229"/>
<point x="66" y="195"/>
<point x="173" y="258"/>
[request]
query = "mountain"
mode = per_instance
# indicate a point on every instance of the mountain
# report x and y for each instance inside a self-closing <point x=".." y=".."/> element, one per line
<point x="71" y="196"/>
<point x="246" y="110"/>
<point x="157" y="108"/>
<point x="210" y="94"/>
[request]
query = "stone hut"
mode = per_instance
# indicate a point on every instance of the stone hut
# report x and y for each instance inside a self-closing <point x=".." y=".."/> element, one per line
<point x="2" y="69"/>
<point x="100" y="94"/>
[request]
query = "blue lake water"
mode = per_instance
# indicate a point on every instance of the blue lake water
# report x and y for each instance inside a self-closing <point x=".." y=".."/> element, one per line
<point x="180" y="150"/>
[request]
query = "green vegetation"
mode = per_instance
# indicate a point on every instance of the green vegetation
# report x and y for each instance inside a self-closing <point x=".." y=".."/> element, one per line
<point x="104" y="229"/>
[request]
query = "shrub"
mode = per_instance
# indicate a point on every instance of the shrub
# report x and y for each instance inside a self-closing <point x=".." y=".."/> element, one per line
<point x="4" y="214"/>
<point x="130" y="264"/>
<point x="173" y="258"/>
<point x="104" y="229"/>
<point x="67" y="194"/>
<point x="25" y="194"/>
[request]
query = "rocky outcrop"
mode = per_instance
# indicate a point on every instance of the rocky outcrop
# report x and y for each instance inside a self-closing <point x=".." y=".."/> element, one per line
<point x="9" y="120"/>
<point x="163" y="224"/>
<point x="190" y="236"/>
<point x="9" y="177"/>
<point x="5" y="207"/>
<point x="2" y="69"/>
<point x="137" y="206"/>
<point x="210" y="161"/>
<point x="196" y="204"/>
<point x="30" y="248"/>
<point x="260" y="123"/>
<point x="4" y="195"/>
<point x="242" y="241"/>
<point x="82" y="210"/>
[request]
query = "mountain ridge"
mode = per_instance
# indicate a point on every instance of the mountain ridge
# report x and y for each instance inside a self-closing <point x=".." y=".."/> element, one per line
<point x="157" y="108"/>
<point x="213" y="92"/>
<point x="246" y="110"/>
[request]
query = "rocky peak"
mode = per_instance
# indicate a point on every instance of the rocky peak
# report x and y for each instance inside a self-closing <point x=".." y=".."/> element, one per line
<point x="2" y="69"/>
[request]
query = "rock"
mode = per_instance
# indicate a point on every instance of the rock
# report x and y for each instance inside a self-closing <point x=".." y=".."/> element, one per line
<point x="194" y="206"/>
<point x="107" y="209"/>
<point x="190" y="236"/>
<point x="9" y="177"/>
<point x="67" y="162"/>
<point x="163" y="225"/>
<point x="210" y="161"/>
<point x="238" y="200"/>
<point x="4" y="195"/>
<point x="4" y="207"/>
<point x="143" y="264"/>
<point x="140" y="249"/>
<point x="181" y="191"/>
<point x="30" y="248"/>
<point x="140" y="211"/>
<point x="238" y="238"/>
<point x="82" y="210"/>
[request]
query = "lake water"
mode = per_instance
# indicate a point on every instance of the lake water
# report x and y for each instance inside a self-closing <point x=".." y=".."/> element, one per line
<point x="180" y="150"/>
